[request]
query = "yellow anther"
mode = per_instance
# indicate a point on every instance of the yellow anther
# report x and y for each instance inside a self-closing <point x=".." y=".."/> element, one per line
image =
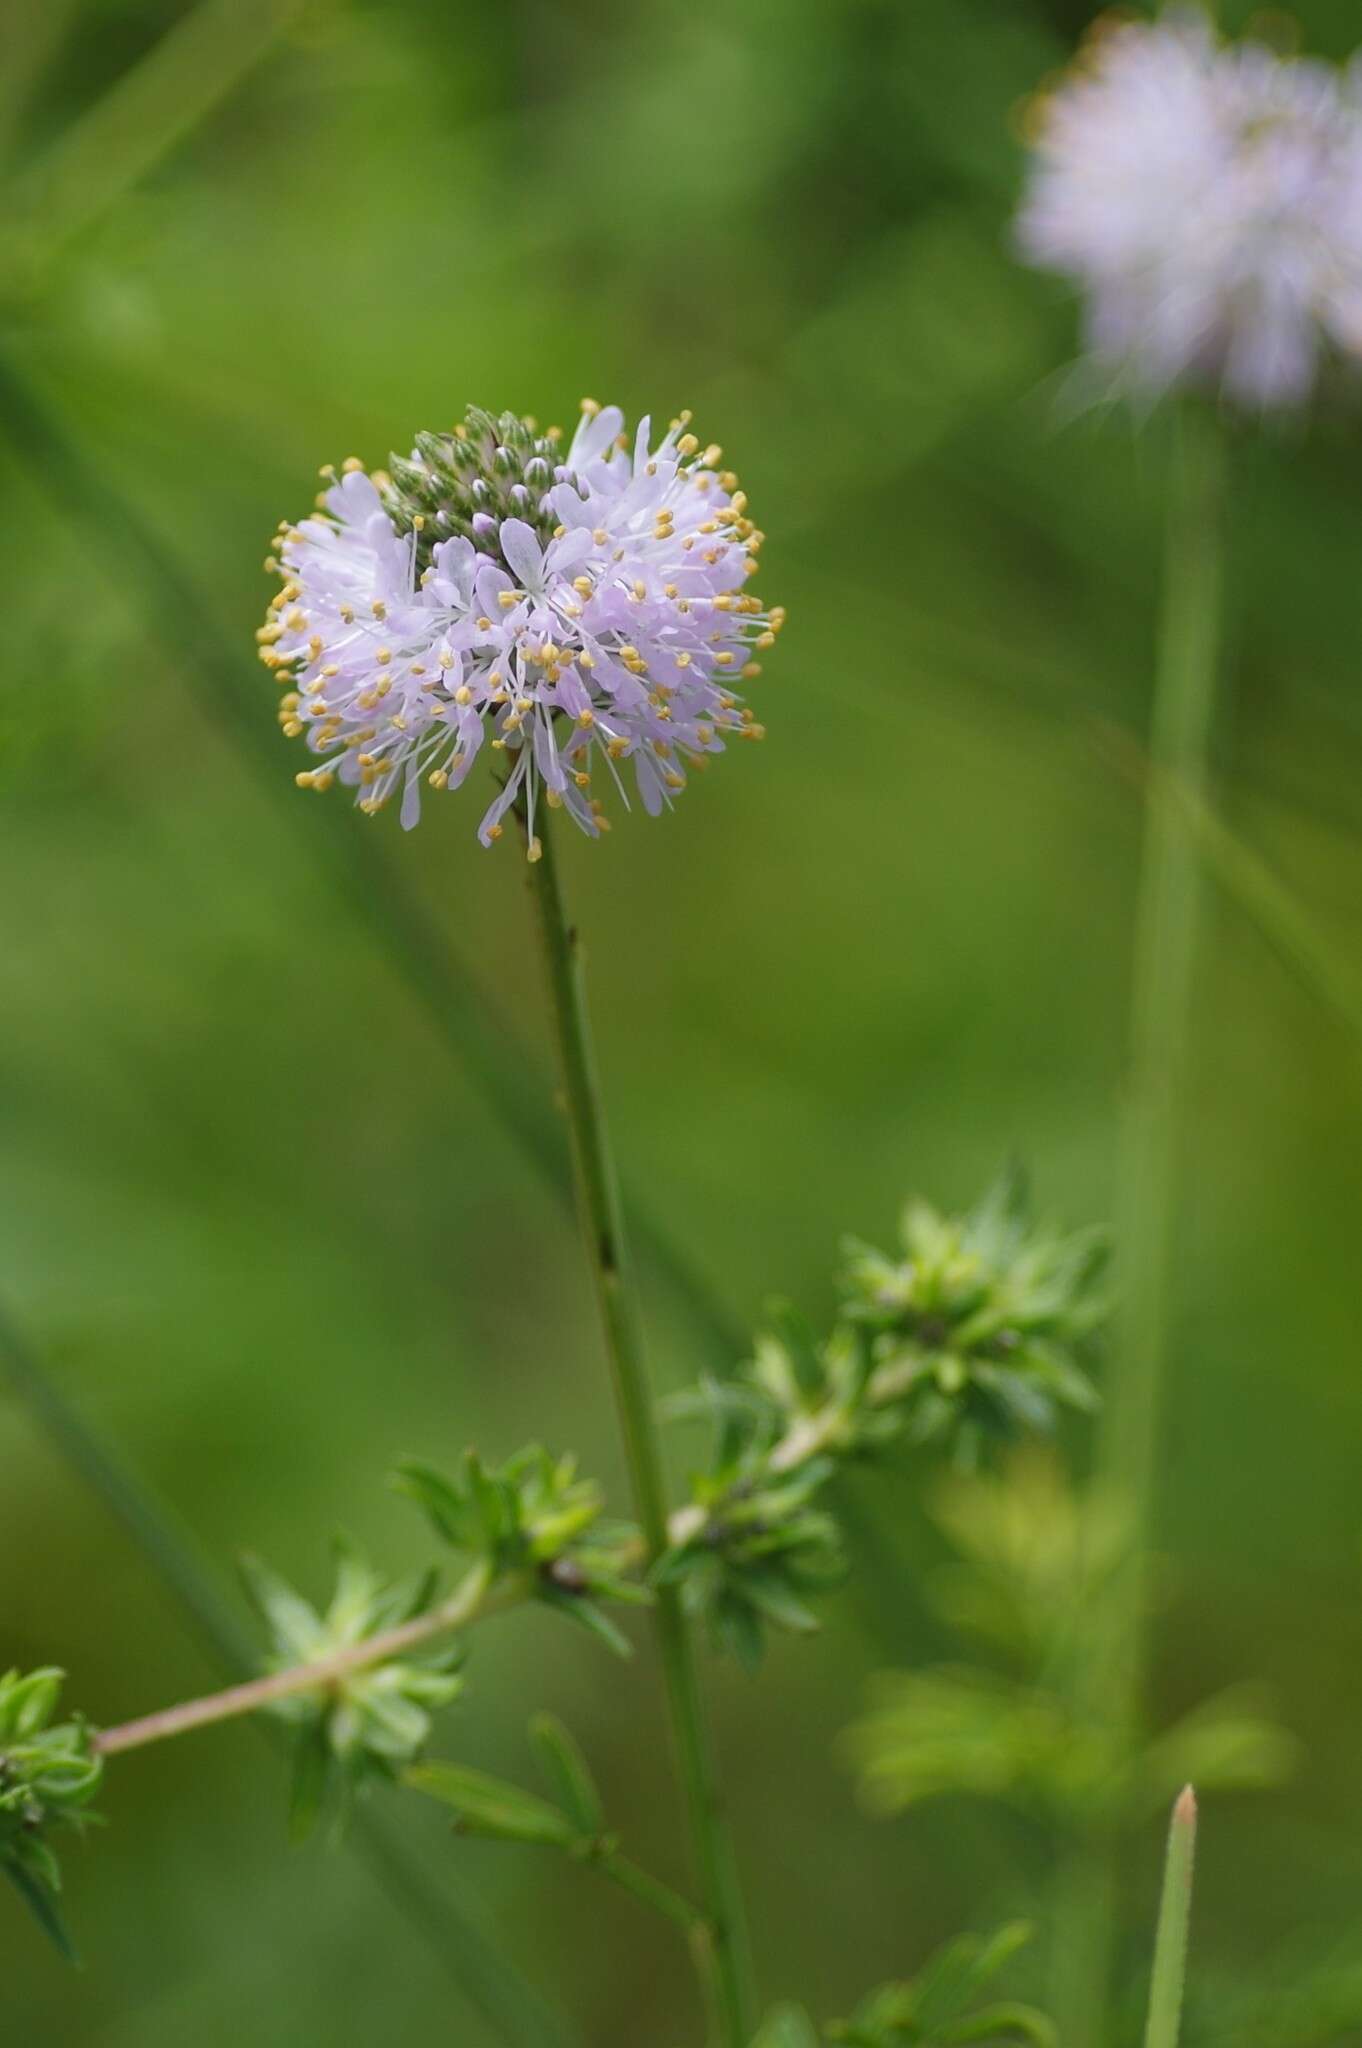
<point x="584" y="584"/>
<point x="438" y="779"/>
<point x="304" y="779"/>
<point x="767" y="639"/>
<point x="683" y="659"/>
<point x="508" y="599"/>
<point x="687" y="445"/>
<point x="463" y="695"/>
<point x="750" y="669"/>
<point x="591" y="406"/>
<point x="347" y="612"/>
<point x="586" y="659"/>
<point x="292" y="729"/>
<point x="351" y="464"/>
<point x="617" y="749"/>
<point x="673" y="780"/>
<point x="379" y="609"/>
<point x="711" y="455"/>
<point x="384" y="654"/>
<point x="553" y="798"/>
<point x="586" y="718"/>
<point x="599" y="535"/>
<point x="494" y="831"/>
<point x="581" y="778"/>
<point x="418" y="520"/>
<point x="534" y="851"/>
<point x="484" y="625"/>
<point x="724" y="660"/>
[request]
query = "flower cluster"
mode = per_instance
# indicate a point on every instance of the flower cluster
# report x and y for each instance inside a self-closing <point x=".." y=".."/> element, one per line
<point x="1207" y="197"/>
<point x="577" y="613"/>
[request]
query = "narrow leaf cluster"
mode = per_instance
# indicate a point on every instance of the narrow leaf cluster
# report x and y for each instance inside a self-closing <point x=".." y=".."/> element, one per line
<point x="533" y="1516"/>
<point x="372" y="1721"/>
<point x="985" y="1321"/>
<point x="49" y="1772"/>
<point x="938" y="2008"/>
<point x="978" y="1333"/>
<point x="1006" y="1721"/>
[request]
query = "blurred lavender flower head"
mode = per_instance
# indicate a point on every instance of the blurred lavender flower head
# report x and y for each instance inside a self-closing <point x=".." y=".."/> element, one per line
<point x="575" y="613"/>
<point x="1207" y="198"/>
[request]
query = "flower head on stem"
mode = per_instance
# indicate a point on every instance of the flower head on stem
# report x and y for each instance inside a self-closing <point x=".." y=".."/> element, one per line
<point x="579" y="614"/>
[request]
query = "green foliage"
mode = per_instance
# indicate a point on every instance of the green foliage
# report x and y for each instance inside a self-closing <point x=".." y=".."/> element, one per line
<point x="533" y="1515"/>
<point x="1036" y="1559"/>
<point x="371" y="1722"/>
<point x="49" y="1772"/>
<point x="494" y="1807"/>
<point x="938" y="2008"/>
<point x="985" y="1323"/>
<point x="978" y="1333"/>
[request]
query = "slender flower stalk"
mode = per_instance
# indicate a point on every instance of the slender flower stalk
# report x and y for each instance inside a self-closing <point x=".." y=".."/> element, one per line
<point x="602" y="1226"/>
<point x="1111" y="1677"/>
<point x="1175" y="1913"/>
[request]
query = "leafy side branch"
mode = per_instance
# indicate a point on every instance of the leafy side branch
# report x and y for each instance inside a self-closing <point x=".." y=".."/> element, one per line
<point x="977" y="1329"/>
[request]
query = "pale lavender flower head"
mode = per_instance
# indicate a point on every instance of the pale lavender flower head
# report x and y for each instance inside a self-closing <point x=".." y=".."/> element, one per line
<point x="1207" y="199"/>
<point x="585" y="616"/>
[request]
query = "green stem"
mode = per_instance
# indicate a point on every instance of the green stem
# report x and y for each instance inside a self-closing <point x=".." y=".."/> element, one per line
<point x="651" y="1891"/>
<point x="1165" y="947"/>
<point x="602" y="1225"/>
<point x="1110" y="1681"/>
<point x="473" y="1598"/>
<point x="1175" y="1913"/>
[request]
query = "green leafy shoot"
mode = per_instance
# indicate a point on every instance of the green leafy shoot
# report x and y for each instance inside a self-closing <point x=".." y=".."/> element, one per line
<point x="788" y="2026"/>
<point x="372" y="1722"/>
<point x="533" y="1515"/>
<point x="987" y="1321"/>
<point x="49" y="1772"/>
<point x="941" y="2006"/>
<point x="1035" y="1560"/>
<point x="977" y="1333"/>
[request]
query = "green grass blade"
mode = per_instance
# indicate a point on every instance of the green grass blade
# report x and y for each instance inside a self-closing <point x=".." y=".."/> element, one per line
<point x="147" y="111"/>
<point x="1175" y="1912"/>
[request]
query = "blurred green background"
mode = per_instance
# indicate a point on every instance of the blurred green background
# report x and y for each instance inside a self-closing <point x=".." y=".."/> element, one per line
<point x="260" y="1217"/>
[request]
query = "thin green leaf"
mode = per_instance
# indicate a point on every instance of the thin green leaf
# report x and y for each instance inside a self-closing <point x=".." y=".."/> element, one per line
<point x="42" y="1906"/>
<point x="491" y="1806"/>
<point x="568" y="1773"/>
